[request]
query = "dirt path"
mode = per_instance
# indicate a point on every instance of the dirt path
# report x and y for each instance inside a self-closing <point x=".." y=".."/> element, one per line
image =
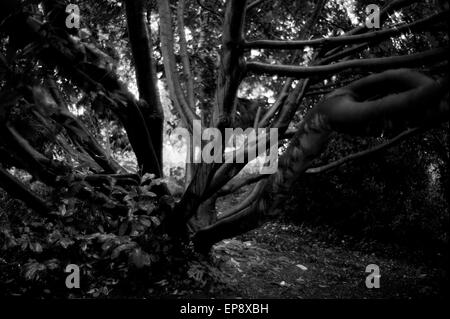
<point x="286" y="261"/>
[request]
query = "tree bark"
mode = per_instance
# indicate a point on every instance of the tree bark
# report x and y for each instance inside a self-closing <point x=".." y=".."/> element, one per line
<point x="377" y="35"/>
<point x="173" y="82"/>
<point x="434" y="55"/>
<point x="409" y="99"/>
<point x="18" y="190"/>
<point x="141" y="48"/>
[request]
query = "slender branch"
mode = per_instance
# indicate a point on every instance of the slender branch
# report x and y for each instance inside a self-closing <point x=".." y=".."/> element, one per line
<point x="18" y="190"/>
<point x="345" y="40"/>
<point x="185" y="55"/>
<point x="228" y="171"/>
<point x="339" y="52"/>
<point x="312" y="19"/>
<point x="318" y="92"/>
<point x="433" y="55"/>
<point x="77" y="131"/>
<point x="384" y="14"/>
<point x="344" y="53"/>
<point x="254" y="4"/>
<point x="35" y="161"/>
<point x="140" y="42"/>
<point x="290" y="107"/>
<point x="257" y="117"/>
<point x="141" y="48"/>
<point x="278" y="103"/>
<point x="333" y="84"/>
<point x="283" y="96"/>
<point x="82" y="155"/>
<point x="173" y="82"/>
<point x="363" y="154"/>
<point x="288" y="134"/>
<point x="231" y="64"/>
<point x="214" y="13"/>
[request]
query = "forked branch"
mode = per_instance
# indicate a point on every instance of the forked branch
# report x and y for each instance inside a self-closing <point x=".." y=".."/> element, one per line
<point x="363" y="154"/>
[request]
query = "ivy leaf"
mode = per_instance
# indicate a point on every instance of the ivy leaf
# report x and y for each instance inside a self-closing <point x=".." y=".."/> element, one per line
<point x="123" y="228"/>
<point x="145" y="221"/>
<point x="66" y="242"/>
<point x="155" y="220"/>
<point x="147" y="207"/>
<point x="116" y="252"/>
<point x="107" y="245"/>
<point x="33" y="270"/>
<point x="147" y="177"/>
<point x="139" y="258"/>
<point x="36" y="247"/>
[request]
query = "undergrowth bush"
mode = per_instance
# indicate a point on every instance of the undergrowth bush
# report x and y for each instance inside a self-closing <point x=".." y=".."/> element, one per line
<point x="117" y="255"/>
<point x="398" y="196"/>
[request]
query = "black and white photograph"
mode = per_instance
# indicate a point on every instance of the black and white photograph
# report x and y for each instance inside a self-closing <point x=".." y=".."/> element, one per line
<point x="224" y="157"/>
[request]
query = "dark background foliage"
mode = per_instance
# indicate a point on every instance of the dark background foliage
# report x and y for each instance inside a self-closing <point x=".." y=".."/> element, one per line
<point x="398" y="196"/>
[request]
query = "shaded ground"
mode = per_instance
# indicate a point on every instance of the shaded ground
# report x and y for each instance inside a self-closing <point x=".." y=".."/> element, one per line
<point x="282" y="260"/>
<point x="286" y="261"/>
<point x="279" y="260"/>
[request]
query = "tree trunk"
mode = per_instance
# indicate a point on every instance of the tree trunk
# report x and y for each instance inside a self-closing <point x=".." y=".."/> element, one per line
<point x="409" y="99"/>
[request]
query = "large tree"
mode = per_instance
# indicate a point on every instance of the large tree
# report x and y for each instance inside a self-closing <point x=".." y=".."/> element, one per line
<point x="330" y="74"/>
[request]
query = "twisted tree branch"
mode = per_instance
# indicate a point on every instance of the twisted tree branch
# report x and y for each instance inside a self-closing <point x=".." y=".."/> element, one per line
<point x="434" y="55"/>
<point x="350" y="39"/>
<point x="363" y="154"/>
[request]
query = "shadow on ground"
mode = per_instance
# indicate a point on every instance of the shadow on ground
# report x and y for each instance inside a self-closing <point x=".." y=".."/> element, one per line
<point x="287" y="261"/>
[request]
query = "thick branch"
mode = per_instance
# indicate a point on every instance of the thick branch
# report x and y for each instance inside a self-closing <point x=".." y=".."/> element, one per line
<point x="173" y="82"/>
<point x="229" y="78"/>
<point x="408" y="98"/>
<point x="212" y="11"/>
<point x="350" y="39"/>
<point x="185" y="55"/>
<point x="140" y="42"/>
<point x="91" y="69"/>
<point x="384" y="14"/>
<point x="228" y="171"/>
<point x="284" y="98"/>
<point x="231" y="63"/>
<point x="248" y="201"/>
<point x="41" y="166"/>
<point x="17" y="190"/>
<point x="231" y="187"/>
<point x="77" y="131"/>
<point x="433" y="55"/>
<point x="141" y="48"/>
